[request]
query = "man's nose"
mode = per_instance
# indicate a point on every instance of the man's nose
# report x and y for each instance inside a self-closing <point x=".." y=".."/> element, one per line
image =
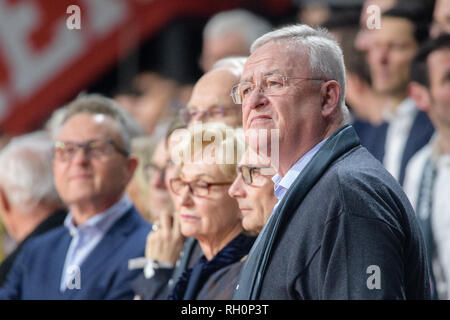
<point x="236" y="190"/>
<point x="256" y="99"/>
<point x="80" y="156"/>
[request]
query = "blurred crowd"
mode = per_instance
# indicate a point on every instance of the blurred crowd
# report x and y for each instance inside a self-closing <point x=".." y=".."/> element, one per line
<point x="100" y="205"/>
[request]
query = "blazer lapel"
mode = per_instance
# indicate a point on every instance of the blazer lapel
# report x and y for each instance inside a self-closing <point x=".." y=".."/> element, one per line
<point x="55" y="269"/>
<point x="419" y="135"/>
<point x="92" y="267"/>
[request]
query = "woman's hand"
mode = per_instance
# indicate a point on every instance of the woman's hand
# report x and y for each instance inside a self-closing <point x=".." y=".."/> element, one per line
<point x="165" y="242"/>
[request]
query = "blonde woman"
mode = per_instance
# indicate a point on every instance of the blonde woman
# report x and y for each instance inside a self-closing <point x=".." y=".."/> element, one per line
<point x="207" y="213"/>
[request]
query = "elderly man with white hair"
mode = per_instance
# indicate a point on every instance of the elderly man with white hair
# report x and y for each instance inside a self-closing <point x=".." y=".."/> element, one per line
<point x="342" y="227"/>
<point x="29" y="203"/>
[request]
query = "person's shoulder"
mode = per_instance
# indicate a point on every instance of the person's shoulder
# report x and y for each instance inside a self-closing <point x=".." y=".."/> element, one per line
<point x="48" y="238"/>
<point x="367" y="189"/>
<point x="43" y="245"/>
<point x="135" y="219"/>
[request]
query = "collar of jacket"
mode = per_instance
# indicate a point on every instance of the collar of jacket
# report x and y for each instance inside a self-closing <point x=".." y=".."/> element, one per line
<point x="342" y="141"/>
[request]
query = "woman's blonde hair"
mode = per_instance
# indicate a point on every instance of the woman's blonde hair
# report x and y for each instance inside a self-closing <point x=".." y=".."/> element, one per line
<point x="212" y="142"/>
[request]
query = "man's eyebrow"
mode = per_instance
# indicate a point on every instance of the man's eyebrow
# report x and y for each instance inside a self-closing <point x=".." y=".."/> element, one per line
<point x="265" y="74"/>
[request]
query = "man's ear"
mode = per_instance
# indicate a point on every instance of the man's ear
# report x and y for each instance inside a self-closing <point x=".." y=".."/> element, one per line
<point x="4" y="202"/>
<point x="132" y="163"/>
<point x="330" y="92"/>
<point x="419" y="93"/>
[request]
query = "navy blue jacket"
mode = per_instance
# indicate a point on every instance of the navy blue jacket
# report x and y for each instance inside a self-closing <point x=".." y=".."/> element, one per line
<point x="37" y="271"/>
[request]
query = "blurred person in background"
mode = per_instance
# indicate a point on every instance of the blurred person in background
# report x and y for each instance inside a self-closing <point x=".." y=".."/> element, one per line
<point x="405" y="128"/>
<point x="428" y="173"/>
<point x="165" y="242"/>
<point x="314" y="13"/>
<point x="29" y="203"/>
<point x="230" y="33"/>
<point x="363" y="39"/>
<point x="364" y="103"/>
<point x="211" y="100"/>
<point x="253" y="189"/>
<point x="138" y="189"/>
<point x="208" y="213"/>
<point x="441" y="18"/>
<point x="158" y="197"/>
<point x="87" y="257"/>
<point x="153" y="101"/>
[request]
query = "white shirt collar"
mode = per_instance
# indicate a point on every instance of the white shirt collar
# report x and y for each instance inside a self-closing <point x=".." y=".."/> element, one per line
<point x="282" y="184"/>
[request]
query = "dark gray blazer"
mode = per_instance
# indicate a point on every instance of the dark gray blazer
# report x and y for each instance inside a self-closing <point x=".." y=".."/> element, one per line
<point x="353" y="236"/>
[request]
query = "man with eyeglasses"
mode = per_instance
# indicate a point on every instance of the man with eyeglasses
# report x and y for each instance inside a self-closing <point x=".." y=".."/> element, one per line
<point x="210" y="100"/>
<point x="87" y="257"/>
<point x="342" y="227"/>
<point x="253" y="190"/>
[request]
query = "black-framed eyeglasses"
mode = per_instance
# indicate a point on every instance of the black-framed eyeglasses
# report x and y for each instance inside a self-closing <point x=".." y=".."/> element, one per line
<point x="188" y="114"/>
<point x="254" y="175"/>
<point x="95" y="148"/>
<point x="197" y="187"/>
<point x="271" y="84"/>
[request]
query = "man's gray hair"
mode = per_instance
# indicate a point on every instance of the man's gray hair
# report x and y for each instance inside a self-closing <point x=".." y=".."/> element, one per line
<point x="234" y="64"/>
<point x="98" y="104"/>
<point x="26" y="173"/>
<point x="242" y="22"/>
<point x="325" y="55"/>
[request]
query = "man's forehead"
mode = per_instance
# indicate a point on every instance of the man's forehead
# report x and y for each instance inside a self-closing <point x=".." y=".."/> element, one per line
<point x="439" y="61"/>
<point x="86" y="124"/>
<point x="395" y="28"/>
<point x="275" y="57"/>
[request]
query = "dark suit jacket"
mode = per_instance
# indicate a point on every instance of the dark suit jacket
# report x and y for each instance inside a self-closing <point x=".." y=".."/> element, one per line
<point x="37" y="271"/>
<point x="161" y="283"/>
<point x="345" y="230"/>
<point x="374" y="139"/>
<point x="355" y="217"/>
<point x="56" y="219"/>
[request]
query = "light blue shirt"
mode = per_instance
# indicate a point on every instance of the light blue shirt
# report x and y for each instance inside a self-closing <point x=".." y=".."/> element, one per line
<point x="86" y="237"/>
<point x="282" y="184"/>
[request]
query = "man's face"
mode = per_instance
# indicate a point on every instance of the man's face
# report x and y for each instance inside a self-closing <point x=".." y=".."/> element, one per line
<point x="441" y="18"/>
<point x="159" y="196"/>
<point x="98" y="180"/>
<point x="211" y="100"/>
<point x="439" y="75"/>
<point x="389" y="58"/>
<point x="295" y="111"/>
<point x="256" y="200"/>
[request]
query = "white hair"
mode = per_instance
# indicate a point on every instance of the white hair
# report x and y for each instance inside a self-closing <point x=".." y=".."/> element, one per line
<point x="26" y="173"/>
<point x="97" y="104"/>
<point x="325" y="56"/>
<point x="233" y="64"/>
<point x="242" y="22"/>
